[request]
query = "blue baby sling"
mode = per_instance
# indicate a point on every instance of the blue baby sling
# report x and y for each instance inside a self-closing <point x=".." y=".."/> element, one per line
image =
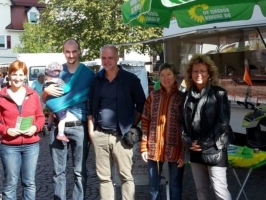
<point x="76" y="90"/>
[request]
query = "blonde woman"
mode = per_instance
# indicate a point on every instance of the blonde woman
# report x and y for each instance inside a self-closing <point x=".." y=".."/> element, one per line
<point x="206" y="116"/>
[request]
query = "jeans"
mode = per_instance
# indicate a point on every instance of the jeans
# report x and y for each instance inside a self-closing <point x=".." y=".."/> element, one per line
<point x="78" y="141"/>
<point x="19" y="160"/>
<point x="110" y="150"/>
<point x="175" y="180"/>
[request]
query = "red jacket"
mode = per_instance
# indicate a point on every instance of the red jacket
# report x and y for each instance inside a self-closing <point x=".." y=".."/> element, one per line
<point x="9" y="112"/>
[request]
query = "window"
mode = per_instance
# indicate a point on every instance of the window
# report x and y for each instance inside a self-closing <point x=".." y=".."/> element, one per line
<point x="228" y="49"/>
<point x="2" y="41"/>
<point x="33" y="15"/>
<point x="5" y="42"/>
<point x="34" y="70"/>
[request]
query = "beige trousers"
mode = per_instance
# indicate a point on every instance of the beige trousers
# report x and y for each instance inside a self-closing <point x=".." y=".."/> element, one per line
<point x="110" y="150"/>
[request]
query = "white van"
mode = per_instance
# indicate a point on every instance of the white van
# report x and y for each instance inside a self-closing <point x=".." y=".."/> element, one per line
<point x="36" y="62"/>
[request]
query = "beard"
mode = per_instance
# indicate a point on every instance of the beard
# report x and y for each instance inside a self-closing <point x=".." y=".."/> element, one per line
<point x="72" y="61"/>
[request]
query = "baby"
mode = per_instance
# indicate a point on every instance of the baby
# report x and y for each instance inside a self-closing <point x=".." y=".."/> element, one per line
<point x="52" y="72"/>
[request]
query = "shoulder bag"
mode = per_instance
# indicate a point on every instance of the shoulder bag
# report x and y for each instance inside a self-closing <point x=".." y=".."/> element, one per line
<point x="211" y="156"/>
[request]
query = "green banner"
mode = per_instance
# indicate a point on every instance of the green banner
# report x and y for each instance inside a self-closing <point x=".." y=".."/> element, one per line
<point x="134" y="8"/>
<point x="147" y="13"/>
<point x="203" y="12"/>
<point x="262" y="4"/>
<point x="152" y="19"/>
<point x="172" y="3"/>
<point x="188" y="13"/>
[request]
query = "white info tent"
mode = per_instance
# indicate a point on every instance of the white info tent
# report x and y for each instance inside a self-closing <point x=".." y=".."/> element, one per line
<point x="137" y="68"/>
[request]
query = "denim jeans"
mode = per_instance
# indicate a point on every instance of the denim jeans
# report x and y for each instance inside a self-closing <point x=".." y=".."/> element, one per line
<point x="19" y="160"/>
<point x="175" y="180"/>
<point x="78" y="141"/>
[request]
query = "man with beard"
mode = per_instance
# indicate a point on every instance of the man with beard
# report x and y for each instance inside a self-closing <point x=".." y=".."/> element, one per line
<point x="74" y="98"/>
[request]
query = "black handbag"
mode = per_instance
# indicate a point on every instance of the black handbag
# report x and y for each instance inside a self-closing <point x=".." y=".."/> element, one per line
<point x="211" y="156"/>
<point x="133" y="136"/>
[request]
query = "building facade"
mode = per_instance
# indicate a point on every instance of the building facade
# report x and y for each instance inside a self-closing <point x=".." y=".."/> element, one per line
<point x="13" y="13"/>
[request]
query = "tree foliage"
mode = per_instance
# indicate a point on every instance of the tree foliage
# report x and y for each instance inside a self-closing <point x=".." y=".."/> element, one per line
<point x="33" y="40"/>
<point x="92" y="22"/>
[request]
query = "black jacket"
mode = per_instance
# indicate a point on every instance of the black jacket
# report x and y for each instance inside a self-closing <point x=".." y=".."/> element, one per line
<point x="215" y="118"/>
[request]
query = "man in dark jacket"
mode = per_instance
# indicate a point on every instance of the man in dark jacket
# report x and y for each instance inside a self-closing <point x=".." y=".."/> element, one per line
<point x="115" y="105"/>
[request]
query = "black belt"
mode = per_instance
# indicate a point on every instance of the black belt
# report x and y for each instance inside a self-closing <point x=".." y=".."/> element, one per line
<point x="107" y="131"/>
<point x="73" y="123"/>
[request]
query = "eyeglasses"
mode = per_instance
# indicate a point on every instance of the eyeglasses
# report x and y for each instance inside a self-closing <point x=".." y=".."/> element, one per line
<point x="200" y="72"/>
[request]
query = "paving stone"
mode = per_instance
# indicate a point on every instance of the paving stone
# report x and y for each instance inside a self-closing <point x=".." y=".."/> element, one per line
<point x="255" y="187"/>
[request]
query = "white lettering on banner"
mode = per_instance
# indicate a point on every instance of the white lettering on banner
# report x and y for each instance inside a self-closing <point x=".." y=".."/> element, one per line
<point x="227" y="15"/>
<point x="135" y="8"/>
<point x="220" y="10"/>
<point x="133" y="2"/>
<point x="217" y="14"/>
<point x="152" y="17"/>
<point x="155" y="14"/>
<point x="212" y="17"/>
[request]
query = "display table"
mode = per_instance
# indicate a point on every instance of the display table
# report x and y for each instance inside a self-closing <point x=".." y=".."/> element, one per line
<point x="245" y="157"/>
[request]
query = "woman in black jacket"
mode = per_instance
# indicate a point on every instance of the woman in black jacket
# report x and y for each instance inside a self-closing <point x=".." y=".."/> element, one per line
<point x="206" y="116"/>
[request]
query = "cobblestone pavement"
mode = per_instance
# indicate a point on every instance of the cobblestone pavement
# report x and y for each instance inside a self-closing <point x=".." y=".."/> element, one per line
<point x="255" y="187"/>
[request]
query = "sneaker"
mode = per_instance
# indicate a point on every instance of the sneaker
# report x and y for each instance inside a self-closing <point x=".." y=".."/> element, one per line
<point x="62" y="138"/>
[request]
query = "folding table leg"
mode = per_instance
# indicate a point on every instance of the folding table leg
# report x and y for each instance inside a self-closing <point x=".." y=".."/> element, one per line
<point x="239" y="183"/>
<point x="244" y="183"/>
<point x="167" y="190"/>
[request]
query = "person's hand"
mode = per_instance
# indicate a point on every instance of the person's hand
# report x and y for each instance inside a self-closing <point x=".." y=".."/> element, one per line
<point x="91" y="136"/>
<point x="30" y="131"/>
<point x="180" y="163"/>
<point x="13" y="132"/>
<point x="53" y="90"/>
<point x="144" y="156"/>
<point x="195" y="146"/>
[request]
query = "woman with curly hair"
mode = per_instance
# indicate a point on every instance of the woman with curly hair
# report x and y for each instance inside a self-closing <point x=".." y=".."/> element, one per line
<point x="206" y="116"/>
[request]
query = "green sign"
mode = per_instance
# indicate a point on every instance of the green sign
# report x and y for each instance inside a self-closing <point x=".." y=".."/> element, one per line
<point x="172" y="3"/>
<point x="152" y="19"/>
<point x="146" y="13"/>
<point x="188" y="13"/>
<point x="205" y="12"/>
<point x="262" y="4"/>
<point x="134" y="8"/>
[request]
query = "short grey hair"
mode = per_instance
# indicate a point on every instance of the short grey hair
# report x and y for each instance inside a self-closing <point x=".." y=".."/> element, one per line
<point x="40" y="74"/>
<point x="109" y="46"/>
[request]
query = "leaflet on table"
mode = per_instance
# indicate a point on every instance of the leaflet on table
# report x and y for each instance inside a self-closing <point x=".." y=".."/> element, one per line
<point x="24" y="123"/>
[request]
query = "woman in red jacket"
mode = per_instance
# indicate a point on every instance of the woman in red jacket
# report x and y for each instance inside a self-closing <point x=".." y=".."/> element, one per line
<point x="21" y="118"/>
